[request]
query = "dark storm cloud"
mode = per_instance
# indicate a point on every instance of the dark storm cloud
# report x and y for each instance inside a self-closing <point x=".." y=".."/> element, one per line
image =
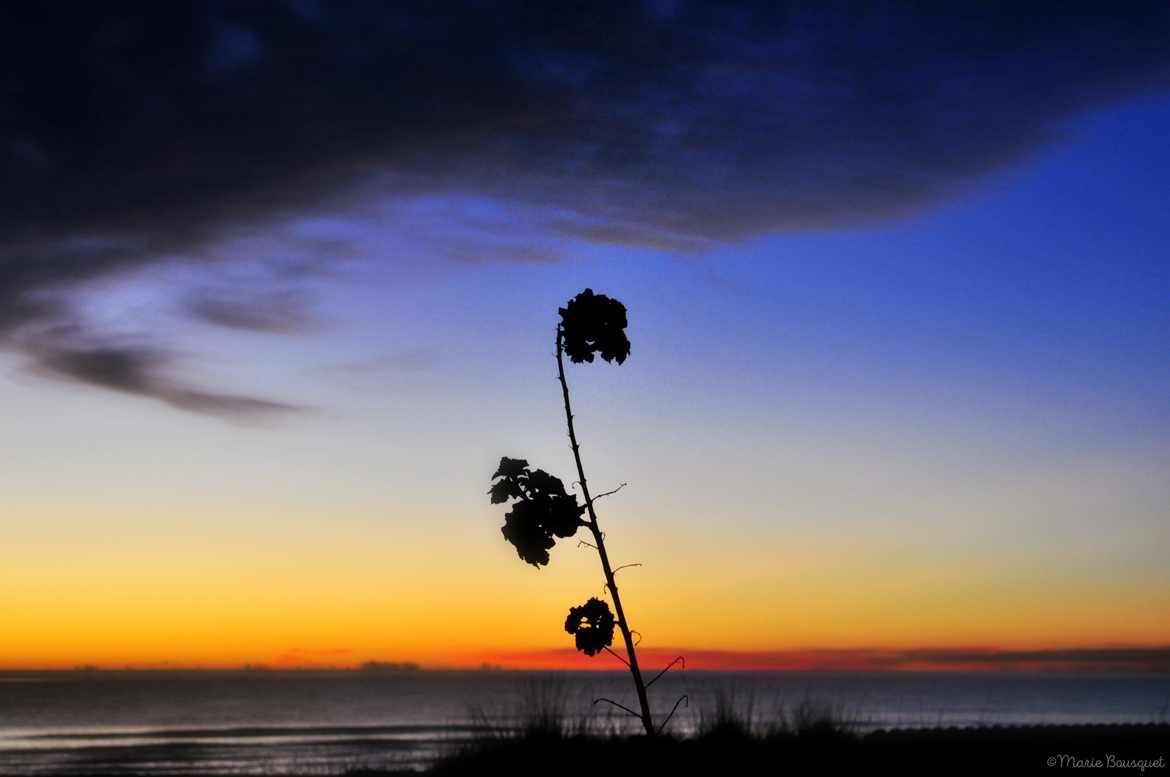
<point x="130" y="131"/>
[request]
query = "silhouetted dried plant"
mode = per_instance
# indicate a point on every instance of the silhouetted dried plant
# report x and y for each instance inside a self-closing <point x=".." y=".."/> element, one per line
<point x="542" y="510"/>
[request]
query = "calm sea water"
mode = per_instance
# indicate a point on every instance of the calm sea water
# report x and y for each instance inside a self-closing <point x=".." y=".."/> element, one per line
<point x="306" y="722"/>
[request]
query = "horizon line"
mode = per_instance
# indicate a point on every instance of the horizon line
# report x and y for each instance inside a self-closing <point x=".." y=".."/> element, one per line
<point x="1096" y="659"/>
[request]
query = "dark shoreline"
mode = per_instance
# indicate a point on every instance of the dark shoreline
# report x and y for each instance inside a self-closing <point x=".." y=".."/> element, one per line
<point x="822" y="747"/>
<point x="1123" y="748"/>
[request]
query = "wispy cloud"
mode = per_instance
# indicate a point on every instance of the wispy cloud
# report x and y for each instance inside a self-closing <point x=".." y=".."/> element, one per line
<point x="141" y="371"/>
<point x="285" y="312"/>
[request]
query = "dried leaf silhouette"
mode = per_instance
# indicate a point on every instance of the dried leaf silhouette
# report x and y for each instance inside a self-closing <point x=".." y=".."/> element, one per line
<point x="512" y="468"/>
<point x="542" y="510"/>
<point x="592" y="624"/>
<point x="594" y="323"/>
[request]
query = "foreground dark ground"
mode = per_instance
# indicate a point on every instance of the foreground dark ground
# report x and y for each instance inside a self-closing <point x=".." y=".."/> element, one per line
<point x="1120" y="749"/>
<point x="825" y="748"/>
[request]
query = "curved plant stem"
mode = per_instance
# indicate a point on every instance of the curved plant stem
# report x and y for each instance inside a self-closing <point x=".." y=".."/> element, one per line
<point x="599" y="538"/>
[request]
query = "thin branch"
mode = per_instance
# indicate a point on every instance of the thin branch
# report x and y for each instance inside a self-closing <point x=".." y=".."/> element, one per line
<point x="608" y="493"/>
<point x="619" y="706"/>
<point x="624" y="566"/>
<point x="586" y="544"/>
<point x="599" y="540"/>
<point x="639" y="642"/>
<point x="667" y="669"/>
<point x="681" y="699"/>
<point x="615" y="655"/>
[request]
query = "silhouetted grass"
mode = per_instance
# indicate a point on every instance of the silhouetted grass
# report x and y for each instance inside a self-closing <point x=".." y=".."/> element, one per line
<point x="736" y="714"/>
<point x="824" y="747"/>
<point x="541" y="736"/>
<point x="540" y="711"/>
<point x="736" y="735"/>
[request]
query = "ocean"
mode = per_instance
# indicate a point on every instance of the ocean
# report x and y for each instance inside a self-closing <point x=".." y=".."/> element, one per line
<point x="308" y="722"/>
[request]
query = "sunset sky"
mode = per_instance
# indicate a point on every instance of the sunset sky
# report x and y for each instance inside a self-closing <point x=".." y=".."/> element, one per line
<point x="278" y="289"/>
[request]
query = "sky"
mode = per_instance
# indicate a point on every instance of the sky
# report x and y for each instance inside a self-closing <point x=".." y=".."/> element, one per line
<point x="279" y="286"/>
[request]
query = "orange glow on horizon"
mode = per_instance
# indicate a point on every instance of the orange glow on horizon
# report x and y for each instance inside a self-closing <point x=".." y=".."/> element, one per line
<point x="1127" y="658"/>
<point x="443" y="591"/>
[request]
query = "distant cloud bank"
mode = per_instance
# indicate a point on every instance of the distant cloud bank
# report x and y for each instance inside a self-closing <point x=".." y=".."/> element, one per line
<point x="1102" y="659"/>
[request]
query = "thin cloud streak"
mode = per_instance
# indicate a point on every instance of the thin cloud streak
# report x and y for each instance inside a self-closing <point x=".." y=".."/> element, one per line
<point x="140" y="371"/>
<point x="270" y="313"/>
